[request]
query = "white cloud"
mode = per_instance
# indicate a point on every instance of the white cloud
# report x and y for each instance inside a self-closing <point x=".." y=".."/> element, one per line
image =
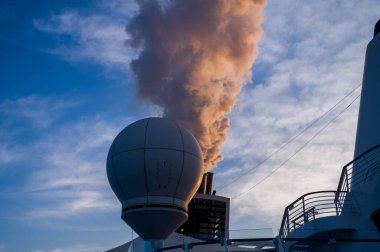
<point x="8" y="154"/>
<point x="72" y="202"/>
<point x="65" y="159"/>
<point x="99" y="37"/>
<point x="39" y="111"/>
<point x="72" y="176"/>
<point x="28" y="114"/>
<point x="309" y="59"/>
<point x="125" y="9"/>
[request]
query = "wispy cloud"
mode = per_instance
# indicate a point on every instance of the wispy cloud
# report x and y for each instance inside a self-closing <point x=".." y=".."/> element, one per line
<point x="38" y="110"/>
<point x="72" y="177"/>
<point x="71" y="202"/>
<point x="120" y="8"/>
<point x="65" y="173"/>
<point x="25" y="116"/>
<point x="8" y="154"/>
<point x="99" y="37"/>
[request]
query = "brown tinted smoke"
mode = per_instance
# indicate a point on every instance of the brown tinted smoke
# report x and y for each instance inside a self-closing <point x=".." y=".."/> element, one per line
<point x="195" y="55"/>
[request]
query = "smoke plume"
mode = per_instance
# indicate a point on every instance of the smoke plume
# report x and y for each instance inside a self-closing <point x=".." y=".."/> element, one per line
<point x="194" y="58"/>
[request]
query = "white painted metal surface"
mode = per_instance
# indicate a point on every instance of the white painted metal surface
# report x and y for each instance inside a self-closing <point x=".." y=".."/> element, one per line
<point x="154" y="166"/>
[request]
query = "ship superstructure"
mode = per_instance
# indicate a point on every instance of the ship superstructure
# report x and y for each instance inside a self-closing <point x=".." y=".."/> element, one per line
<point x="348" y="218"/>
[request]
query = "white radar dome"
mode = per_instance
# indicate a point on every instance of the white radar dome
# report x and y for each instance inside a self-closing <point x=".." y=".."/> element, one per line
<point x="154" y="166"/>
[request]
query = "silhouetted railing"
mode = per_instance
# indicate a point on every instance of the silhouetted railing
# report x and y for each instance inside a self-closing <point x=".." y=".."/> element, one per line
<point x="316" y="205"/>
<point x="331" y="203"/>
<point x="365" y="166"/>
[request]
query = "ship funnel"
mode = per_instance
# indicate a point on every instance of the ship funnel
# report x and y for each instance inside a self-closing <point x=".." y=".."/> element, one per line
<point x="377" y="28"/>
<point x="367" y="134"/>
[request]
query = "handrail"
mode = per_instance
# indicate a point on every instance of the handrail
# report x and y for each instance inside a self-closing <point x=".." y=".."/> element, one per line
<point x="363" y="154"/>
<point x="314" y="205"/>
<point x="367" y="161"/>
<point x="366" y="164"/>
<point x="307" y="194"/>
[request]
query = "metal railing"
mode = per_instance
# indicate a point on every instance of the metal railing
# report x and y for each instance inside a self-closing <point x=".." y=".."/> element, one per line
<point x="365" y="165"/>
<point x="316" y="205"/>
<point x="330" y="203"/>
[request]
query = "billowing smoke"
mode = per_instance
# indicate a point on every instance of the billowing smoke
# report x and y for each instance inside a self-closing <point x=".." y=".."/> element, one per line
<point x="194" y="58"/>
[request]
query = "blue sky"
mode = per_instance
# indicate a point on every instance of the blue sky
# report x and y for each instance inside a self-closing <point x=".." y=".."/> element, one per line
<point x="66" y="91"/>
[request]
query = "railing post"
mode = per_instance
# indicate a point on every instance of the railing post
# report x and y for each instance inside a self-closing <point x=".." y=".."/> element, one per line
<point x="186" y="247"/>
<point x="336" y="201"/>
<point x="278" y="242"/>
<point x="225" y="243"/>
<point x="347" y="184"/>
<point x="303" y="208"/>
<point x="287" y="221"/>
<point x="366" y="174"/>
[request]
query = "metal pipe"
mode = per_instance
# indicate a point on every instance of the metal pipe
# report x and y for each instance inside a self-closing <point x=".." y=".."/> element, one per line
<point x="209" y="183"/>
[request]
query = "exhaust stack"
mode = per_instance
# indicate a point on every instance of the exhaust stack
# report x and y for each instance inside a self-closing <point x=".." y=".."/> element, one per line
<point x="367" y="134"/>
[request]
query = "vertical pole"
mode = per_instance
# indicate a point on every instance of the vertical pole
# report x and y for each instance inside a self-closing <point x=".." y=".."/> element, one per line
<point x="347" y="184"/>
<point x="225" y="241"/>
<point x="278" y="241"/>
<point x="154" y="245"/>
<point x="336" y="202"/>
<point x="366" y="174"/>
<point x="303" y="209"/>
<point x="185" y="247"/>
<point x="287" y="221"/>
